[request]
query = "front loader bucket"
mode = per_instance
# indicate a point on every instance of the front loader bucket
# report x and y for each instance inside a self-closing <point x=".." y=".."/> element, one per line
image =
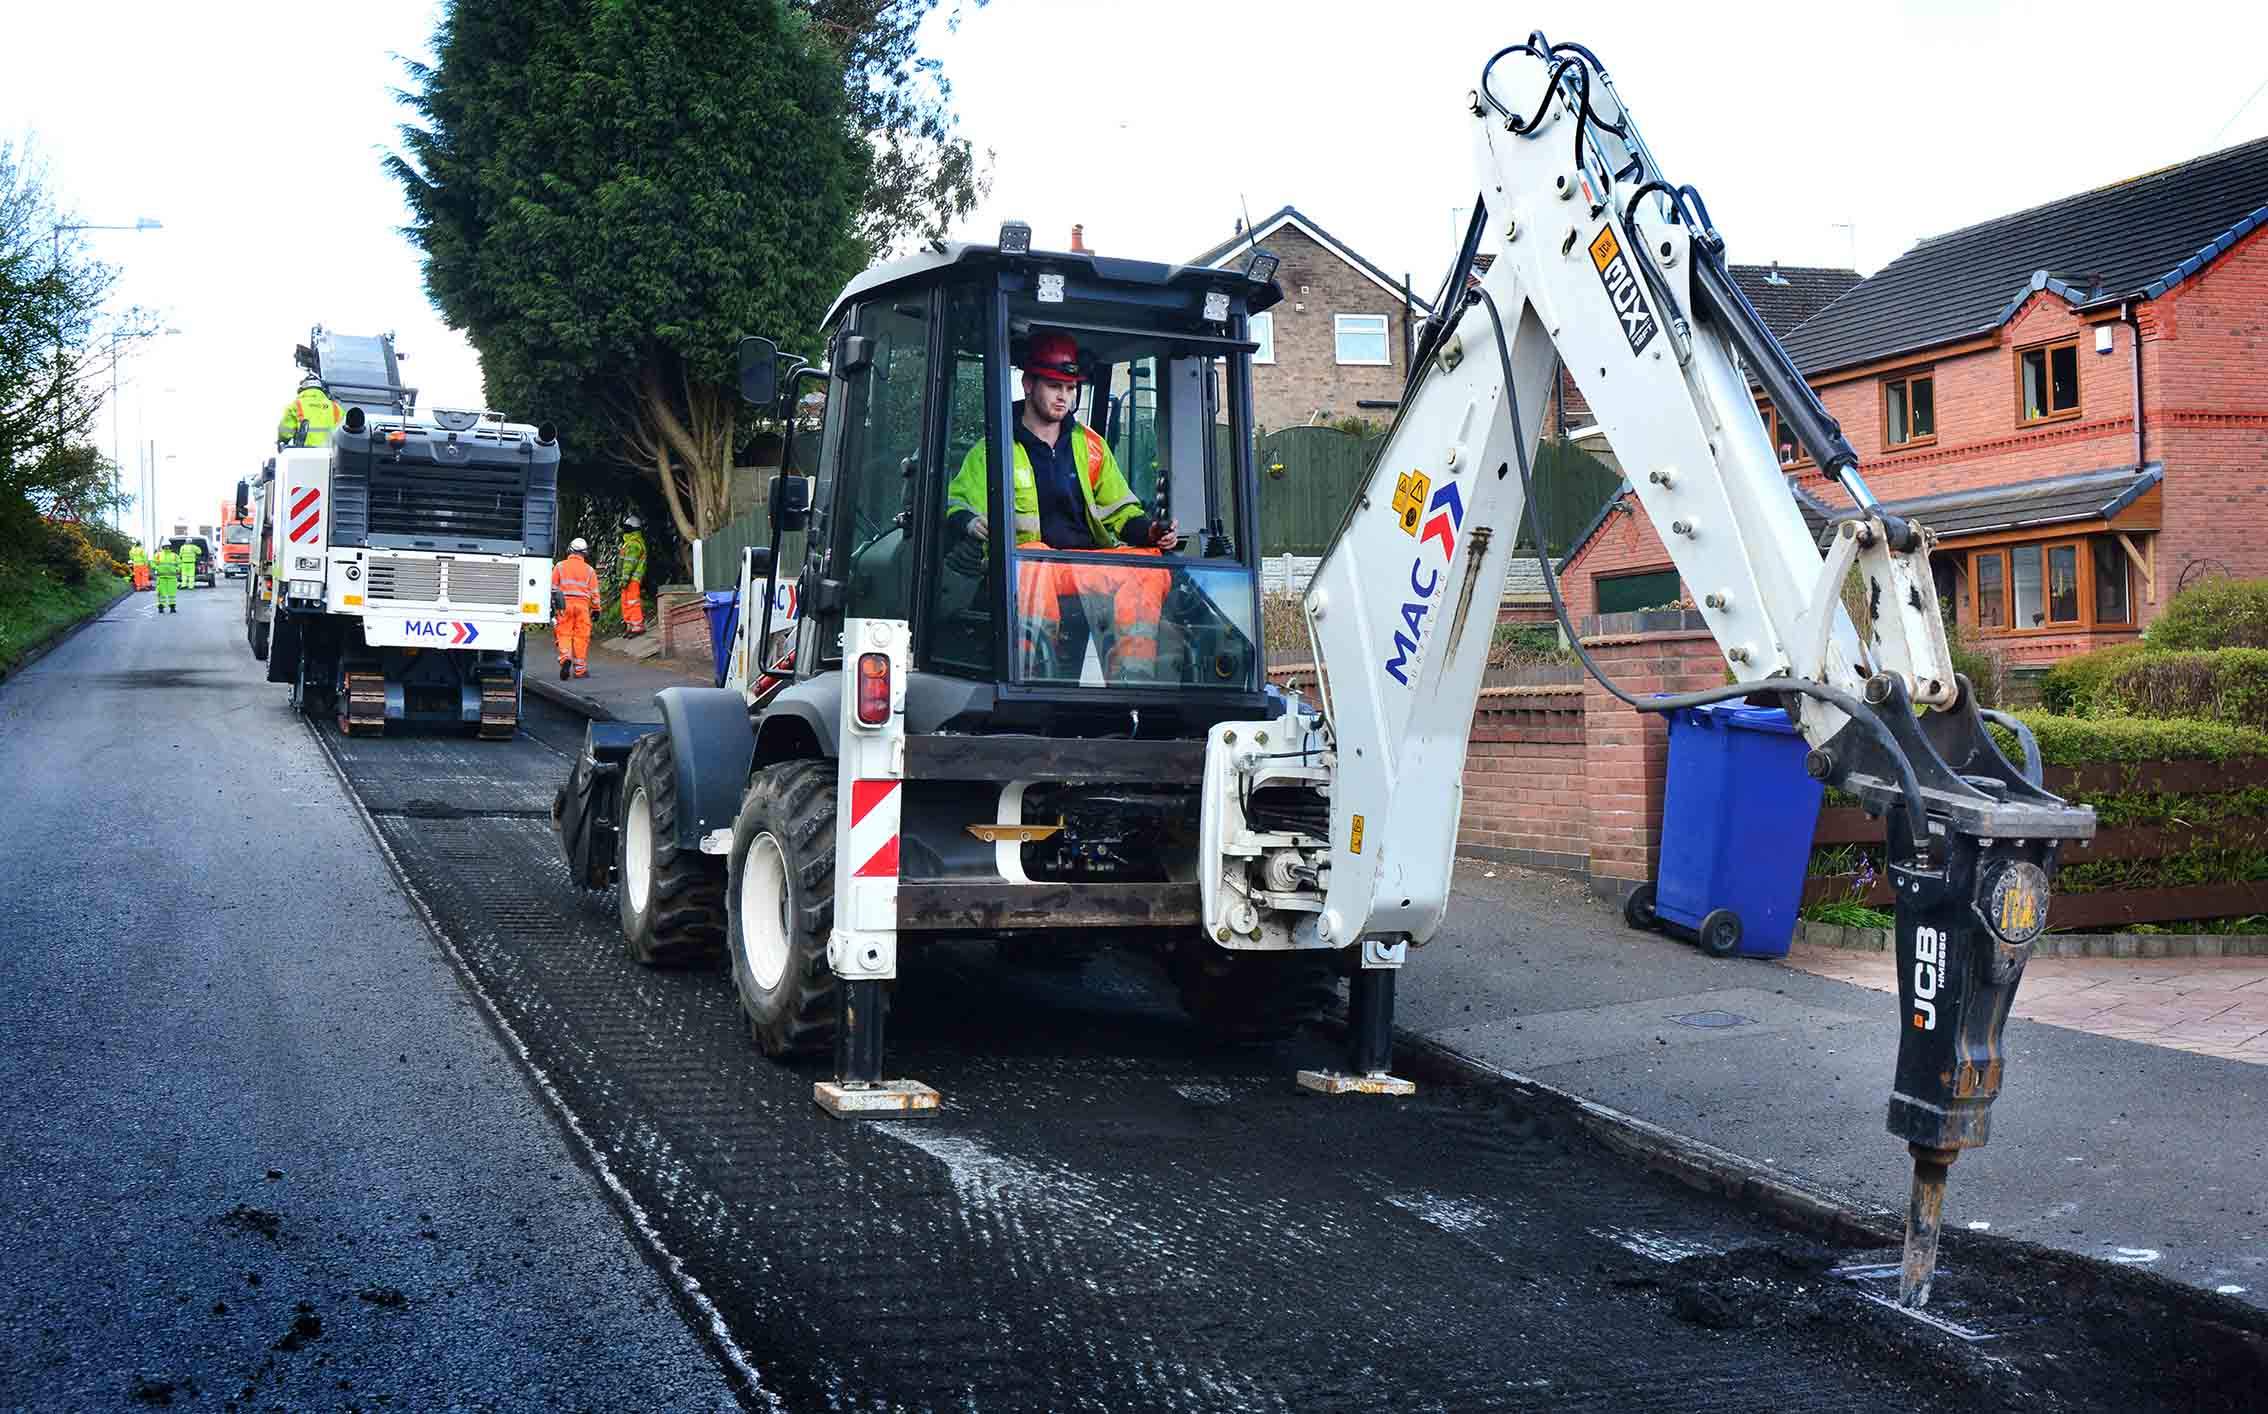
<point x="587" y="809"/>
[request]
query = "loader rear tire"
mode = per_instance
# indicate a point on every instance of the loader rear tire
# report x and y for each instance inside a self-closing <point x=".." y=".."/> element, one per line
<point x="671" y="899"/>
<point x="781" y="906"/>
<point x="259" y="642"/>
<point x="1252" y="997"/>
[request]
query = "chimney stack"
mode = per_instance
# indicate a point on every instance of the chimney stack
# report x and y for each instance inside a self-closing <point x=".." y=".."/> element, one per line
<point x="1079" y="241"/>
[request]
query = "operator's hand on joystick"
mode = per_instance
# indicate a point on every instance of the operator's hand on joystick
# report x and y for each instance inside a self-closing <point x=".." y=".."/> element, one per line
<point x="967" y="555"/>
<point x="1167" y="536"/>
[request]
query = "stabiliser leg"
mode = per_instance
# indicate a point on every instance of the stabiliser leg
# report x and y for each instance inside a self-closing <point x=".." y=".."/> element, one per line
<point x="858" y="1090"/>
<point x="1965" y="930"/>
<point x="1370" y="1029"/>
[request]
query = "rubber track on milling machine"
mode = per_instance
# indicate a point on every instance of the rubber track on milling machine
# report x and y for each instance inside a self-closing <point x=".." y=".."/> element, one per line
<point x="362" y="707"/>
<point x="499" y="709"/>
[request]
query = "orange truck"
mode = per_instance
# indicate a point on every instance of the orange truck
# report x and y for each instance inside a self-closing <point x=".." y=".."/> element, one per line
<point x="235" y="540"/>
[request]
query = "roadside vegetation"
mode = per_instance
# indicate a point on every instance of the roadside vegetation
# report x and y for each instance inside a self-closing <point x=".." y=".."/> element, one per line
<point x="59" y="562"/>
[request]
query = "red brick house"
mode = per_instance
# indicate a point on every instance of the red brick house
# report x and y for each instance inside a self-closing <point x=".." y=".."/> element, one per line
<point x="2074" y="396"/>
<point x="1338" y="346"/>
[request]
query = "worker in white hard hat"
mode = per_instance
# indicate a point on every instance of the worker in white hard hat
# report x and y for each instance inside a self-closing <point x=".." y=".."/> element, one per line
<point x="576" y="589"/>
<point x="633" y="570"/>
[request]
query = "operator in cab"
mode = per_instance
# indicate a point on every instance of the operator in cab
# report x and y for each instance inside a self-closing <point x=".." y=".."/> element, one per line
<point x="1070" y="495"/>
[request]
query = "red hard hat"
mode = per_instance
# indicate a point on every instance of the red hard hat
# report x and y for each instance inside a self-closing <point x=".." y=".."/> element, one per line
<point x="1053" y="356"/>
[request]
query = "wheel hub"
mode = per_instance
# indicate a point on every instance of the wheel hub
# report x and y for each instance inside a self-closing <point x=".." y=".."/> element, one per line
<point x="764" y="912"/>
<point x="638" y="850"/>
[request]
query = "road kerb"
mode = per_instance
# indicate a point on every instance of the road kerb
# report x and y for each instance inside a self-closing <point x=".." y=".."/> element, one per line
<point x="566" y="697"/>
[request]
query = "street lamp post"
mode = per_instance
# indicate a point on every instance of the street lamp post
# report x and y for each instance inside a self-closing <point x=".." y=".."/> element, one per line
<point x="144" y="223"/>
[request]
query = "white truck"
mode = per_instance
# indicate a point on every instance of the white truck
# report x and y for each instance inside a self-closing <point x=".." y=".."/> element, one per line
<point x="404" y="560"/>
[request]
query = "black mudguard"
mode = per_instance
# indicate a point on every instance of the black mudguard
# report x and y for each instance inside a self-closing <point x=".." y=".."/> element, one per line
<point x="714" y="743"/>
<point x="587" y="810"/>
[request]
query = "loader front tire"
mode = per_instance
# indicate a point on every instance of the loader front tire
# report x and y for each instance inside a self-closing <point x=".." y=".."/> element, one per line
<point x="1252" y="997"/>
<point x="671" y="899"/>
<point x="781" y="905"/>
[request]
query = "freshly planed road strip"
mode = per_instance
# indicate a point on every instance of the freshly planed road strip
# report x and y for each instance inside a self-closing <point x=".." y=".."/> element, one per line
<point x="1107" y="1216"/>
<point x="258" y="1146"/>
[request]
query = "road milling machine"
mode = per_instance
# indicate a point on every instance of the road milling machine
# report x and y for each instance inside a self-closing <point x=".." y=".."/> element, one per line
<point x="399" y="565"/>
<point x="989" y="734"/>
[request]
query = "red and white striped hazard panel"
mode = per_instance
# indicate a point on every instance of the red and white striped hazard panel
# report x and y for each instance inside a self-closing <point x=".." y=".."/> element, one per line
<point x="874" y="829"/>
<point x="306" y="515"/>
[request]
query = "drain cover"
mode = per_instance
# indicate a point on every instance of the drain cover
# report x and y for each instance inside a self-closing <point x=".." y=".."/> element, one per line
<point x="1712" y="1020"/>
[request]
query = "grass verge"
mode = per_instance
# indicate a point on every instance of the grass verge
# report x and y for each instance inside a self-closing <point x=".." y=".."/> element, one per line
<point x="34" y="605"/>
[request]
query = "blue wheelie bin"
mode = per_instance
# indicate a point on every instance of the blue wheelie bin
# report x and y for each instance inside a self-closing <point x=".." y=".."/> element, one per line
<point x="1738" y="813"/>
<point x="723" y="609"/>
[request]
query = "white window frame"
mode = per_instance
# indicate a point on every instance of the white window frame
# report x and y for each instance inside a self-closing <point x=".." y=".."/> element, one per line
<point x="1262" y="328"/>
<point x="1385" y="339"/>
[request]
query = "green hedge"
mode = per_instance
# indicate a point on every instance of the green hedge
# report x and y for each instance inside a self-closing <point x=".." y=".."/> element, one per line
<point x="2221" y="613"/>
<point x="2070" y="687"/>
<point x="2224" y="685"/>
<point x="2076" y="741"/>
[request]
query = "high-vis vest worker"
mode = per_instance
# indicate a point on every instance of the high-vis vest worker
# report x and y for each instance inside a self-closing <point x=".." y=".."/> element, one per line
<point x="1110" y="502"/>
<point x="573" y="578"/>
<point x="138" y="555"/>
<point x="633" y="555"/>
<point x="314" y="407"/>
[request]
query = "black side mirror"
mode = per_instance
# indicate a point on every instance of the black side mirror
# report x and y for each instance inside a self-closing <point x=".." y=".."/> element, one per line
<point x="759" y="562"/>
<point x="759" y="371"/>
<point x="791" y="503"/>
<point x="243" y="499"/>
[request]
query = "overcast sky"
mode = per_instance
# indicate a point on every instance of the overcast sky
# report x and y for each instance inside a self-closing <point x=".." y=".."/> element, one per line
<point x="1820" y="135"/>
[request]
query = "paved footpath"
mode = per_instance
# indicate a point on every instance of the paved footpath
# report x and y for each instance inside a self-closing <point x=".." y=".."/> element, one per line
<point x="257" y="1147"/>
<point x="2208" y="1006"/>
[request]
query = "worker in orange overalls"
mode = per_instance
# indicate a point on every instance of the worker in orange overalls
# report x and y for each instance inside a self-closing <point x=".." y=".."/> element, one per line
<point x="1069" y="494"/>
<point x="574" y="589"/>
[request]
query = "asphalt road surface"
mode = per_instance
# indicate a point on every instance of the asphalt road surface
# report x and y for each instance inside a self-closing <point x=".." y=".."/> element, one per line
<point x="1105" y="1215"/>
<point x="258" y="1148"/>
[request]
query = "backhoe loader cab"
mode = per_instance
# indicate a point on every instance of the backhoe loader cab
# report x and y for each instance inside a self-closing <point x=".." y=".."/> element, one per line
<point x="990" y="714"/>
<point x="1059" y="621"/>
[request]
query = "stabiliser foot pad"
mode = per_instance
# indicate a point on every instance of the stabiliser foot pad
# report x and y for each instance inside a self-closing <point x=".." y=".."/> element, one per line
<point x="890" y="1099"/>
<point x="1339" y="1082"/>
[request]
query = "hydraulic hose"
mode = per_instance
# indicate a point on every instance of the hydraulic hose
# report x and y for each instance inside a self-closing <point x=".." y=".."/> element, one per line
<point x="1909" y="784"/>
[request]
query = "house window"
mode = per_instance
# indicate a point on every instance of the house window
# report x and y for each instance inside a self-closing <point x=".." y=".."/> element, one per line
<point x="1784" y="444"/>
<point x="1909" y="410"/>
<point x="1991" y="578"/>
<point x="2047" y="381"/>
<point x="2112" y="606"/>
<point x="2053" y="585"/>
<point x="1621" y="593"/>
<point x="1361" y="338"/>
<point x="1263" y="332"/>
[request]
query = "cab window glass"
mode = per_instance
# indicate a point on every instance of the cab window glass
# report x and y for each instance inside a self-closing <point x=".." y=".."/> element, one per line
<point x="962" y="626"/>
<point x="880" y="458"/>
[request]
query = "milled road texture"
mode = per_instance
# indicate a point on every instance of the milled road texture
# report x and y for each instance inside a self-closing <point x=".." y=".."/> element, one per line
<point x="259" y="1150"/>
<point x="1106" y="1215"/>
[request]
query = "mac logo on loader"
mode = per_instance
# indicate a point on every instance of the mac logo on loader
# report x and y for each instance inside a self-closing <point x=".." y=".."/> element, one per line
<point x="1445" y="513"/>
<point x="1621" y="283"/>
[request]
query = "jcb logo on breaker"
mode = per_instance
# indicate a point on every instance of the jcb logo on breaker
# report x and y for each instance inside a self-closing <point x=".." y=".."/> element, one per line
<point x="1929" y="970"/>
<point x="1621" y="283"/>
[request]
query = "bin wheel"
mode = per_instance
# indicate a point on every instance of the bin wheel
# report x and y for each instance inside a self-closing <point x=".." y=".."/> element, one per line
<point x="1720" y="933"/>
<point x="1638" y="909"/>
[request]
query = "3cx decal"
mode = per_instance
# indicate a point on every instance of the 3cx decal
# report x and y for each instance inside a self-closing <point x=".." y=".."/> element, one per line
<point x="1621" y="283"/>
<point x="1443" y="516"/>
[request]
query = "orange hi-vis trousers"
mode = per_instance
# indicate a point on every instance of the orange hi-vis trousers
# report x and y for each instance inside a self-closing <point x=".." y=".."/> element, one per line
<point x="1130" y="599"/>
<point x="633" y="607"/>
<point x="573" y="632"/>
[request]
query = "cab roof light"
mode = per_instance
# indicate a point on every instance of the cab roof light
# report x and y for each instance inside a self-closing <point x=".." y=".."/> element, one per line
<point x="1015" y="237"/>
